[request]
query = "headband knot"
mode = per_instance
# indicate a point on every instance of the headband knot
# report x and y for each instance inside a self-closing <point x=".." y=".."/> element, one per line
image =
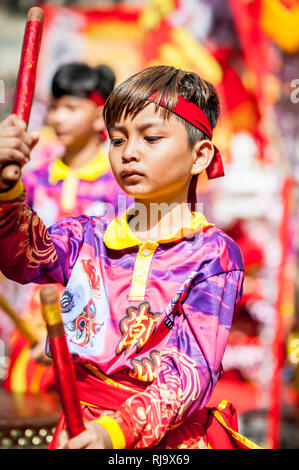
<point x="191" y="113"/>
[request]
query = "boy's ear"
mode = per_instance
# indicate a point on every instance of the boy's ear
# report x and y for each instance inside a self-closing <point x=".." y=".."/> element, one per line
<point x="203" y="152"/>
<point x="99" y="124"/>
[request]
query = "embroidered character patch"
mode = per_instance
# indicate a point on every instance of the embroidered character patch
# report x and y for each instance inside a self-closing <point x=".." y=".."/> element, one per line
<point x="136" y="327"/>
<point x="85" y="308"/>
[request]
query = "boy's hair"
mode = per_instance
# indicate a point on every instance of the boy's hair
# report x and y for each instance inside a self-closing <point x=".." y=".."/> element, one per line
<point x="131" y="96"/>
<point x="79" y="79"/>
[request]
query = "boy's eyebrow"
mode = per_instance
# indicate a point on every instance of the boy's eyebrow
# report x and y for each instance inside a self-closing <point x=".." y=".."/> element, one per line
<point x="142" y="127"/>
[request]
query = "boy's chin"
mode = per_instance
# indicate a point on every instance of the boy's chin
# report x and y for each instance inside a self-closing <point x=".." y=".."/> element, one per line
<point x="142" y="194"/>
<point x="134" y="192"/>
<point x="66" y="141"/>
<point x="137" y="194"/>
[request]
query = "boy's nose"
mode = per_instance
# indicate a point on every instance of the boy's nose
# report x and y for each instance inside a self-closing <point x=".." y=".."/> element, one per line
<point x="131" y="153"/>
<point x="58" y="116"/>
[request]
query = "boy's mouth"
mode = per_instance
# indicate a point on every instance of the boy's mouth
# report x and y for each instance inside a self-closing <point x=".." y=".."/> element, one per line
<point x="130" y="174"/>
<point x="61" y="133"/>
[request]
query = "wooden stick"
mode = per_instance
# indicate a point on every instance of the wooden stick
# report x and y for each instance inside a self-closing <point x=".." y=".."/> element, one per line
<point x="62" y="362"/>
<point x="18" y="321"/>
<point x="11" y="172"/>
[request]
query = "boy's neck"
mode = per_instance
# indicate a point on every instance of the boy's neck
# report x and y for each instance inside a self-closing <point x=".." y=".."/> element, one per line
<point x="157" y="220"/>
<point x="77" y="157"/>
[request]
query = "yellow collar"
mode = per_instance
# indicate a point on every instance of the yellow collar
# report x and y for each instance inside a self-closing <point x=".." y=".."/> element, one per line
<point x="90" y="171"/>
<point x="119" y="235"/>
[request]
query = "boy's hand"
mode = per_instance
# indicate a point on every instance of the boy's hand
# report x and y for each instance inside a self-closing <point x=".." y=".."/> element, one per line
<point x="15" y="143"/>
<point x="94" y="437"/>
<point x="39" y="355"/>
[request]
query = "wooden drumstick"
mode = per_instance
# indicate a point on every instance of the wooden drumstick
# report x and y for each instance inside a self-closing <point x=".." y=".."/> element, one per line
<point x="62" y="362"/>
<point x="11" y="172"/>
<point x="19" y="322"/>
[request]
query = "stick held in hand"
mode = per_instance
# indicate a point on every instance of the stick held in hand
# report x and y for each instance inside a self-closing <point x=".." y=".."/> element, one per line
<point x="62" y="362"/>
<point x="11" y="172"/>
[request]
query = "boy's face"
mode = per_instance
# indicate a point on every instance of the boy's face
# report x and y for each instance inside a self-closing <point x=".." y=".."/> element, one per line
<point x="75" y="120"/>
<point x="150" y="156"/>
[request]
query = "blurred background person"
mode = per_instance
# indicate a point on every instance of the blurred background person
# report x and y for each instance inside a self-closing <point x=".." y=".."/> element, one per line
<point x="78" y="182"/>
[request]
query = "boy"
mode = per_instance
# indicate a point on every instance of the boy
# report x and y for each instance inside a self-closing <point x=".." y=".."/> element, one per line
<point x="77" y="182"/>
<point x="148" y="306"/>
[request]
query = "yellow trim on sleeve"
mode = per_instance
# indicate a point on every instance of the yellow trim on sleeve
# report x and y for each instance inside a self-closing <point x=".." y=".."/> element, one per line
<point x="114" y="431"/>
<point x="12" y="193"/>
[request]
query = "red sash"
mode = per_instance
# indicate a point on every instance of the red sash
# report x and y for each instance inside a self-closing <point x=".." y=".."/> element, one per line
<point x="213" y="428"/>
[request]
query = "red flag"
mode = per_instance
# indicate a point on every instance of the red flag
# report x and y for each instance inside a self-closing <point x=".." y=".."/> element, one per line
<point x="253" y="40"/>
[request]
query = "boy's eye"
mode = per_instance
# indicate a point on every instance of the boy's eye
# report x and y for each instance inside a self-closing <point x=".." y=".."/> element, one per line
<point x="117" y="141"/>
<point x="152" y="138"/>
<point x="52" y="107"/>
<point x="72" y="107"/>
<point x="68" y="107"/>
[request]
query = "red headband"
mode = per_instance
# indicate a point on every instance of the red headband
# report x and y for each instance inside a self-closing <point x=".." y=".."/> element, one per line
<point x="195" y="116"/>
<point x="97" y="97"/>
<point x="99" y="100"/>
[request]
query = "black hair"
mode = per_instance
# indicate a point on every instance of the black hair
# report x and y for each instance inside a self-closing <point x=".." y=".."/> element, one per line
<point x="79" y="79"/>
<point x="131" y="96"/>
<point x="167" y="82"/>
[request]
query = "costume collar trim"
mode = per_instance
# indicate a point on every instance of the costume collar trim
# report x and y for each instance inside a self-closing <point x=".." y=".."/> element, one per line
<point x="119" y="235"/>
<point x="59" y="171"/>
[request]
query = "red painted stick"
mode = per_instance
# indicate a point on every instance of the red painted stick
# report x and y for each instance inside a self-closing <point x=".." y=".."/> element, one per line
<point x="11" y="172"/>
<point x="62" y="362"/>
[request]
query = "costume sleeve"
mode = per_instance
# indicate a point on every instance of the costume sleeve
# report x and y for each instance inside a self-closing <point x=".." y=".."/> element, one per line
<point x="29" y="251"/>
<point x="190" y="363"/>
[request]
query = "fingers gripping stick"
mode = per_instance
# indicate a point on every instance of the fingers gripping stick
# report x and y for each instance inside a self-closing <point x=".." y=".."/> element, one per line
<point x="62" y="362"/>
<point x="11" y="172"/>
